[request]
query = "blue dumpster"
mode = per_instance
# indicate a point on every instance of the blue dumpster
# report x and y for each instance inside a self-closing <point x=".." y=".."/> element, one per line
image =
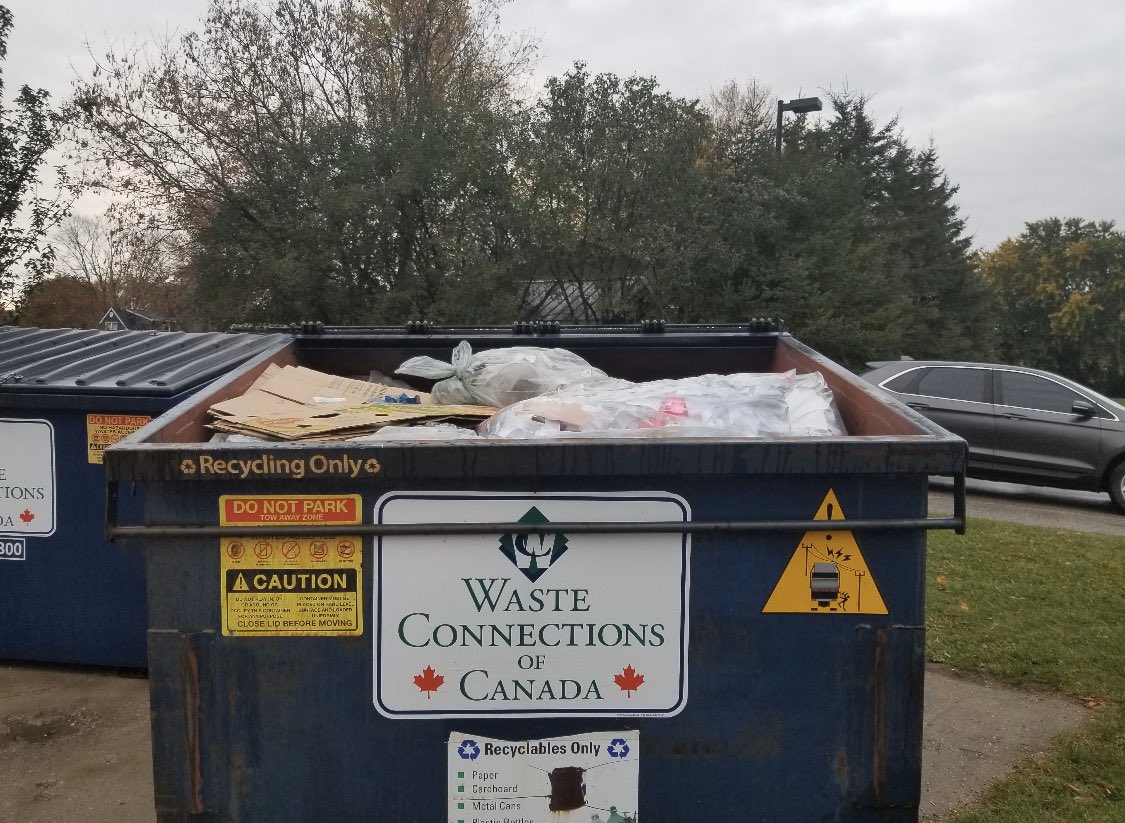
<point x="566" y="630"/>
<point x="67" y="595"/>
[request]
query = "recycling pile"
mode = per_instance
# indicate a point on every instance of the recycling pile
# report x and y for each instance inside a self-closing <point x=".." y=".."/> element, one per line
<point x="294" y="403"/>
<point x="712" y="405"/>
<point x="524" y="392"/>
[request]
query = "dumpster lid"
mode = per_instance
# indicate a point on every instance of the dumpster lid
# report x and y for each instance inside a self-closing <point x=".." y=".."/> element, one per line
<point x="150" y="363"/>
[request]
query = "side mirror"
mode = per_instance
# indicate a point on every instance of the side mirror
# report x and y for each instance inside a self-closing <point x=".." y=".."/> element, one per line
<point x="1083" y="409"/>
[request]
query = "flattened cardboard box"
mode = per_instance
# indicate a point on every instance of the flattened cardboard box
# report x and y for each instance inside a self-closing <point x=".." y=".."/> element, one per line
<point x="356" y="419"/>
<point x="294" y="391"/>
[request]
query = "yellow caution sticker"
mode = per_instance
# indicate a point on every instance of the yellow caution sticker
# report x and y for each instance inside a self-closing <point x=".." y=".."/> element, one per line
<point x="103" y="430"/>
<point x="827" y="573"/>
<point x="299" y="586"/>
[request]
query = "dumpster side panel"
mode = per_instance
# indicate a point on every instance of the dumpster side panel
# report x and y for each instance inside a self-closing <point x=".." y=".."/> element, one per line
<point x="811" y="717"/>
<point x="75" y="598"/>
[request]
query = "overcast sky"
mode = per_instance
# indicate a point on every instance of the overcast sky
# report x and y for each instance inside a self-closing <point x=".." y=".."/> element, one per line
<point x="1021" y="97"/>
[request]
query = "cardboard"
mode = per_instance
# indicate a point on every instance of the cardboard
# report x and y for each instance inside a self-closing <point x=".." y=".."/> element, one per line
<point x="294" y="403"/>
<point x="294" y="391"/>
<point x="354" y="420"/>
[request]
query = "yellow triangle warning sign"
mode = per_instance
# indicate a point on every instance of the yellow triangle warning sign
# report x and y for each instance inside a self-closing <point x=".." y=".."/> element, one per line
<point x="240" y="584"/>
<point x="827" y="573"/>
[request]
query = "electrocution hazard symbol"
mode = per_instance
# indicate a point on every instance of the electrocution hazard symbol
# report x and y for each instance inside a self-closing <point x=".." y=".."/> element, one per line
<point x="827" y="573"/>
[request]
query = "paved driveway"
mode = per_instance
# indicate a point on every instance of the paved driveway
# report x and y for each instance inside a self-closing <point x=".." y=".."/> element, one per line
<point x="1033" y="506"/>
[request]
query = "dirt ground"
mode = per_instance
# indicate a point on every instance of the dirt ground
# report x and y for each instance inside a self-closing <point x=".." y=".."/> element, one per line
<point x="74" y="746"/>
<point x="74" y="743"/>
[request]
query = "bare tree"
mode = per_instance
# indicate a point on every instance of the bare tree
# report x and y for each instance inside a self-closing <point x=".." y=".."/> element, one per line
<point x="189" y="118"/>
<point x="741" y="113"/>
<point x="128" y="261"/>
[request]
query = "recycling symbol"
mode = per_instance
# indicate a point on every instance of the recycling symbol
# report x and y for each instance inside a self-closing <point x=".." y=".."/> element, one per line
<point x="618" y="748"/>
<point x="469" y="750"/>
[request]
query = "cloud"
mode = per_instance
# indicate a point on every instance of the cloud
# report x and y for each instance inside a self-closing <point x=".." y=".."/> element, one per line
<point x="1019" y="96"/>
<point x="1016" y="94"/>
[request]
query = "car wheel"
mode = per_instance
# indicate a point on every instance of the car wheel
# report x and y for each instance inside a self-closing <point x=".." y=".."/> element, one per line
<point x="1117" y="485"/>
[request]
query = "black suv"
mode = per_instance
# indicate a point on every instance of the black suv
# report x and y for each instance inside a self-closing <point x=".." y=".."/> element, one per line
<point x="1022" y="425"/>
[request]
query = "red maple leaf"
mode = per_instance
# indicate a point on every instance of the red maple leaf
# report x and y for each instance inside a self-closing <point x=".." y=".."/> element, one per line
<point x="26" y="516"/>
<point x="428" y="681"/>
<point x="629" y="681"/>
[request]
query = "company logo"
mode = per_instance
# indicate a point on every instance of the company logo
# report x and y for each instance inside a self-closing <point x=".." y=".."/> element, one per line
<point x="533" y="554"/>
<point x="618" y="748"/>
<point x="468" y="750"/>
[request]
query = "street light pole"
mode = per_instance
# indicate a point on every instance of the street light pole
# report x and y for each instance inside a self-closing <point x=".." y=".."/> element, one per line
<point x="802" y="105"/>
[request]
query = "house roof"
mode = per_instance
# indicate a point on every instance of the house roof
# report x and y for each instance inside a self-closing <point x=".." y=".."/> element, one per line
<point x="128" y="318"/>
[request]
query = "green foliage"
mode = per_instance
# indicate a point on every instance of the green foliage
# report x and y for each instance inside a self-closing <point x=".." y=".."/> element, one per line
<point x="360" y="162"/>
<point x="613" y="196"/>
<point x="1061" y="285"/>
<point x="341" y="161"/>
<point x="28" y="130"/>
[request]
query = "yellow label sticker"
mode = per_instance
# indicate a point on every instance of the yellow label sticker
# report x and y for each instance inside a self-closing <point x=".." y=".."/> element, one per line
<point x="292" y="586"/>
<point x="103" y="430"/>
<point x="827" y="573"/>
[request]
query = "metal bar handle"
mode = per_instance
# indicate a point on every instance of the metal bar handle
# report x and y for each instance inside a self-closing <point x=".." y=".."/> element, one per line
<point x="621" y="527"/>
<point x="956" y="523"/>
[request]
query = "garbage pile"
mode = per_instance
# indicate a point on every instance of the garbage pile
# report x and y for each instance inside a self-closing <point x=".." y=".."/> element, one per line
<point x="712" y="405"/>
<point x="523" y="392"/>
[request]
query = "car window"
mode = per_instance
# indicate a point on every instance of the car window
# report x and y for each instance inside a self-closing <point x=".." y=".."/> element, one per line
<point x="905" y="382"/>
<point x="939" y="381"/>
<point x="1029" y="391"/>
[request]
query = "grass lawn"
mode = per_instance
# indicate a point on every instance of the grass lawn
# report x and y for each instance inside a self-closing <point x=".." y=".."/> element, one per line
<point x="1040" y="609"/>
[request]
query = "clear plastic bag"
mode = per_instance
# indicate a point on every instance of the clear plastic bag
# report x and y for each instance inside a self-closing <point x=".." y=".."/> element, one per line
<point x="500" y="377"/>
<point x="744" y="405"/>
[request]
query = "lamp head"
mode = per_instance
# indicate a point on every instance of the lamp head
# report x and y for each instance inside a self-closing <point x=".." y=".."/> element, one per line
<point x="802" y="105"/>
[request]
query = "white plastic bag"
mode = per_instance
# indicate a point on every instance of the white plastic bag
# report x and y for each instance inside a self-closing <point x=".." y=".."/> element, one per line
<point x="812" y="409"/>
<point x="500" y="377"/>
<point x="753" y="405"/>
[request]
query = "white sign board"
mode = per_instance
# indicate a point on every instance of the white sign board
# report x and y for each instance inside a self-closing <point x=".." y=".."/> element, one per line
<point x="531" y="625"/>
<point x="583" y="779"/>
<point x="27" y="478"/>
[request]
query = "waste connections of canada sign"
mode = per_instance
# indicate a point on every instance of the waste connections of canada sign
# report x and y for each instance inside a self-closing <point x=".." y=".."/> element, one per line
<point x="535" y="624"/>
<point x="27" y="478"/>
